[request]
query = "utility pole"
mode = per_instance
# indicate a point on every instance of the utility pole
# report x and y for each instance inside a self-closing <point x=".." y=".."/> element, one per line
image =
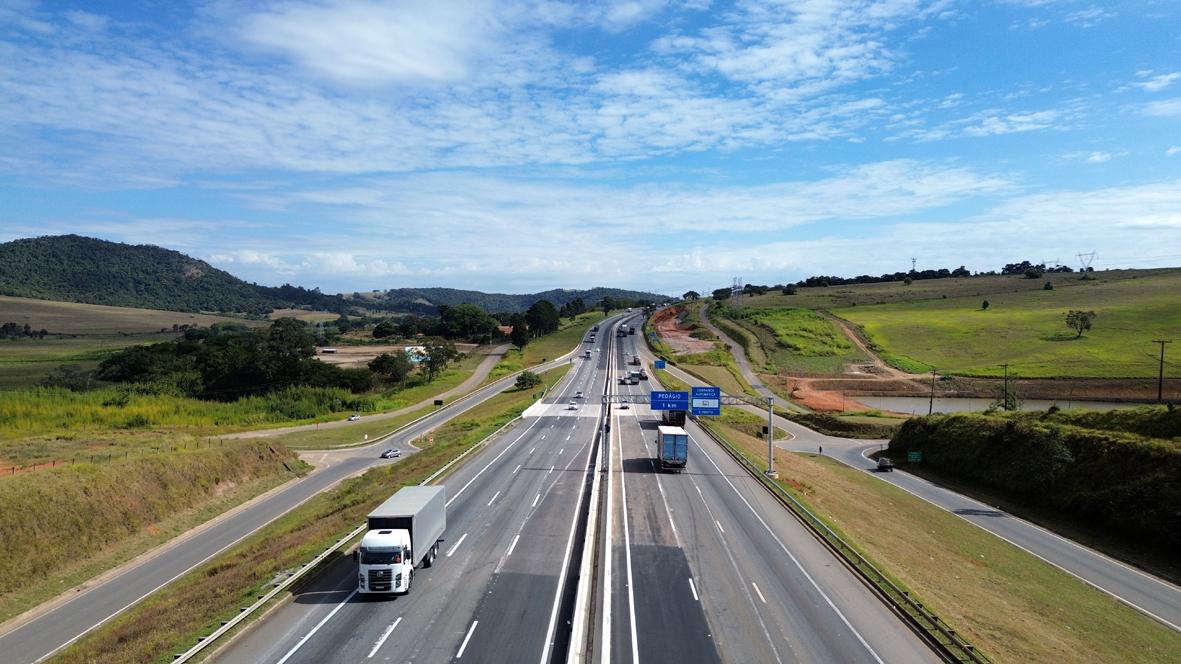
<point x="912" y="263"/>
<point x="771" y="439"/>
<point x="1160" y="381"/>
<point x="1005" y="398"/>
<point x="931" y="403"/>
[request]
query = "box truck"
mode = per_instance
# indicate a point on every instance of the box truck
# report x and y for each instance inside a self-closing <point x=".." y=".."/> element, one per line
<point x="404" y="532"/>
<point x="672" y="443"/>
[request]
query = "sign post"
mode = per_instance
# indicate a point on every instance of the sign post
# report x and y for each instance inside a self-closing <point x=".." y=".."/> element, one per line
<point x="669" y="401"/>
<point x="707" y="401"/>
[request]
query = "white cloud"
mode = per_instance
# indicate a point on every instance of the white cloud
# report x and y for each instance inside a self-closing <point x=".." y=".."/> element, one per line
<point x="1165" y="108"/>
<point x="1159" y="82"/>
<point x="1096" y="157"/>
<point x="994" y="123"/>
<point x="1176" y="149"/>
<point x="1089" y="17"/>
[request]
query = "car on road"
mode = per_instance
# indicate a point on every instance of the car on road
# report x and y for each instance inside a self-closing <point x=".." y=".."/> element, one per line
<point x="578" y="394"/>
<point x="572" y="406"/>
<point x="354" y="417"/>
<point x="391" y="454"/>
<point x="885" y="465"/>
<point x="624" y="405"/>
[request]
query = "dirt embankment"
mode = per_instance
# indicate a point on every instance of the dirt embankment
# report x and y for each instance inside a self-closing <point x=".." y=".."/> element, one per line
<point x="671" y="329"/>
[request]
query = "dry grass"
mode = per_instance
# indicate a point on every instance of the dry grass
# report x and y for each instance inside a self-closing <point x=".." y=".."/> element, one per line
<point x="170" y="620"/>
<point x="1011" y="605"/>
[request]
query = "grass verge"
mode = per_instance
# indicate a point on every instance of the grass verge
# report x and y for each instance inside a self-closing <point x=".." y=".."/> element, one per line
<point x="1010" y="604"/>
<point x="546" y="347"/>
<point x="64" y="526"/>
<point x="171" y="620"/>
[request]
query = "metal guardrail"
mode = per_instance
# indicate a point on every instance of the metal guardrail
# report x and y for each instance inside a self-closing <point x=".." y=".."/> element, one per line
<point x="947" y="642"/>
<point x="205" y="641"/>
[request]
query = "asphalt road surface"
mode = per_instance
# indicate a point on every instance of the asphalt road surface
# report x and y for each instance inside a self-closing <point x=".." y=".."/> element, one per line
<point x="36" y="635"/>
<point x="706" y="565"/>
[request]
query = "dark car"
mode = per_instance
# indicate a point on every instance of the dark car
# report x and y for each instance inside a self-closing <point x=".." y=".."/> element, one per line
<point x="885" y="465"/>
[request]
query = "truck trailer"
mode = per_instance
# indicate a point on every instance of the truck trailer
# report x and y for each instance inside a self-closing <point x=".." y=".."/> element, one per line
<point x="672" y="443"/>
<point x="404" y="532"/>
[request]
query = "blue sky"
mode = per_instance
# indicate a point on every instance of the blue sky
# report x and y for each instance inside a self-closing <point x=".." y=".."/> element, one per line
<point x="518" y="146"/>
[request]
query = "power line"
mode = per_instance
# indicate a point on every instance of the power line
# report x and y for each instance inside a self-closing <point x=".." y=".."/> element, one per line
<point x="1160" y="383"/>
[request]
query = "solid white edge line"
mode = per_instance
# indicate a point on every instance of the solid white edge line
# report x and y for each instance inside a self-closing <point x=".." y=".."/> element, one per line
<point x="384" y="635"/>
<point x="608" y="546"/>
<point x="791" y="556"/>
<point x="456" y="546"/>
<point x="494" y="497"/>
<point x="627" y="548"/>
<point x="758" y="592"/>
<point x="512" y="546"/>
<point x="694" y="589"/>
<point x="315" y="629"/>
<point x="1037" y="555"/>
<point x="470" y="631"/>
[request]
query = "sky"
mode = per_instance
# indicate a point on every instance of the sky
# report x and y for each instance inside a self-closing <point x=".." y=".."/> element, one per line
<point x="523" y="145"/>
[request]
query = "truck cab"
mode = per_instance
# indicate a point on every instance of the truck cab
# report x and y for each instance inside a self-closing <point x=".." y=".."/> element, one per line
<point x="385" y="562"/>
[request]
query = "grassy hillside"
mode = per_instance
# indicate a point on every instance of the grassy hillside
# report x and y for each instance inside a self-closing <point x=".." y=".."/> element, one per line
<point x="62" y="526"/>
<point x="81" y="334"/>
<point x="797" y="340"/>
<point x="428" y="300"/>
<point x="1026" y="329"/>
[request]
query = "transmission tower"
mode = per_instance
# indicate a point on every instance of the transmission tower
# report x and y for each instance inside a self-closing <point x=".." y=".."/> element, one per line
<point x="736" y="293"/>
<point x="1084" y="260"/>
<point x="912" y="263"/>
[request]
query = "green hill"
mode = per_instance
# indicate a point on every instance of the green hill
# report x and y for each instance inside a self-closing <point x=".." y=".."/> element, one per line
<point x="428" y="300"/>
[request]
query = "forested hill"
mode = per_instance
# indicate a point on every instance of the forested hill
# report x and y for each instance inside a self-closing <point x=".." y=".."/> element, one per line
<point x="428" y="300"/>
<point x="73" y="268"/>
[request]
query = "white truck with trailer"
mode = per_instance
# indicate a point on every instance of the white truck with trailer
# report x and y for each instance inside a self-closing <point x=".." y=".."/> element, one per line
<point x="404" y="532"/>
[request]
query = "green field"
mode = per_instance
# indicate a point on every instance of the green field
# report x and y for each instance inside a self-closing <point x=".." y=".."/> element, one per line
<point x="800" y="341"/>
<point x="81" y="334"/>
<point x="1027" y="329"/>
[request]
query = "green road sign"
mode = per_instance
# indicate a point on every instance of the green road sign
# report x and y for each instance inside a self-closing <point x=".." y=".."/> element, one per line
<point x="914" y="457"/>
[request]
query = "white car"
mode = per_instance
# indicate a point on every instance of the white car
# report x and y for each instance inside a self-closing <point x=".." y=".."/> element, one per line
<point x="624" y="405"/>
<point x="578" y="394"/>
<point x="354" y="417"/>
<point x="572" y="406"/>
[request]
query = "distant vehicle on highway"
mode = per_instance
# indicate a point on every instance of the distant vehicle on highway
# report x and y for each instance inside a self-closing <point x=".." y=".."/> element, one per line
<point x="572" y="406"/>
<point x="404" y="531"/>
<point x="578" y="394"/>
<point x="885" y="465"/>
<point x="391" y="454"/>
<point x="673" y="445"/>
<point x="624" y="405"/>
<point x="354" y="417"/>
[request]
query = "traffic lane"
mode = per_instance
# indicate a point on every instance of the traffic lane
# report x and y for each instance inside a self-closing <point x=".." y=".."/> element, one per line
<point x="670" y="622"/>
<point x="443" y="596"/>
<point x="803" y="571"/>
<point x="1149" y="594"/>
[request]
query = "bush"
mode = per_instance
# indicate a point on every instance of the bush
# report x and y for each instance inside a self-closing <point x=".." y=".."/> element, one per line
<point x="527" y="379"/>
<point x="1048" y="286"/>
<point x="1103" y="477"/>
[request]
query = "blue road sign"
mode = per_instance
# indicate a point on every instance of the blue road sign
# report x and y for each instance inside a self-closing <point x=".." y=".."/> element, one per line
<point x="670" y="401"/>
<point x="707" y="401"/>
<point x="659" y="364"/>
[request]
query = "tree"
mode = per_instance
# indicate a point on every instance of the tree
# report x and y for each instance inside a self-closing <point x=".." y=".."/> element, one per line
<point x="1079" y="321"/>
<point x="393" y="366"/>
<point x="720" y="294"/>
<point x="542" y="318"/>
<point x="908" y="281"/>
<point x="465" y="321"/>
<point x="692" y="296"/>
<point x="527" y="379"/>
<point x="1048" y="286"/>
<point x="984" y="305"/>
<point x="789" y="289"/>
<point x="384" y="329"/>
<point x="438" y="353"/>
<point x="606" y="304"/>
<point x="1034" y="273"/>
<point x="520" y="333"/>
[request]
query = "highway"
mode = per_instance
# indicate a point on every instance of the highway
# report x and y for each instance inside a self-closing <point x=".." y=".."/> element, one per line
<point x="1147" y="593"/>
<point x="704" y="566"/>
<point x="41" y="632"/>
<point x="496" y="592"/>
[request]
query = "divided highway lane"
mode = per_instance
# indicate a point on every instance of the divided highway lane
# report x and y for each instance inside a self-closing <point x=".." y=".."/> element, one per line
<point x="706" y="566"/>
<point x="493" y="594"/>
<point x="38" y="635"/>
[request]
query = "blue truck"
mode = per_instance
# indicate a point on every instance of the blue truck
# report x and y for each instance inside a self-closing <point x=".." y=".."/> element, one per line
<point x="672" y="444"/>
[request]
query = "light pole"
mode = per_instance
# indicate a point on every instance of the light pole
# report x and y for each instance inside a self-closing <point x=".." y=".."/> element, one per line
<point x="771" y="439"/>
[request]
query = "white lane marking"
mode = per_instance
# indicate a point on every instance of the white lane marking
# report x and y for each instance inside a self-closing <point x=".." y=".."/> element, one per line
<point x="512" y="546"/>
<point x="489" y="465"/>
<point x="315" y="629"/>
<point x="568" y="437"/>
<point x="494" y="497"/>
<point x="627" y="548"/>
<point x="608" y="550"/>
<point x="553" y="617"/>
<point x="384" y="635"/>
<point x="542" y="437"/>
<point x="463" y="646"/>
<point x="758" y="592"/>
<point x="561" y="450"/>
<point x="694" y="589"/>
<point x="551" y="469"/>
<point x="791" y="556"/>
<point x="720" y="526"/>
<point x="517" y="468"/>
<point x="535" y="499"/>
<point x="452" y="549"/>
<point x="531" y="450"/>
